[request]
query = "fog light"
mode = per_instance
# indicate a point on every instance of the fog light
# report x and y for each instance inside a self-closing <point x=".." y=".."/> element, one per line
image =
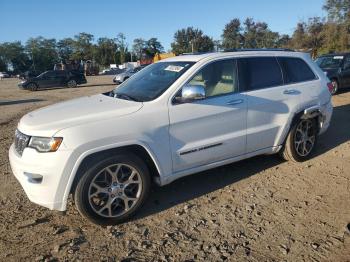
<point x="33" y="178"/>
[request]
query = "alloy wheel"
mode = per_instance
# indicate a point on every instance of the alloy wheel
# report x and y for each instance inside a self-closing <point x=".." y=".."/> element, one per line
<point x="115" y="190"/>
<point x="304" y="138"/>
<point x="71" y="83"/>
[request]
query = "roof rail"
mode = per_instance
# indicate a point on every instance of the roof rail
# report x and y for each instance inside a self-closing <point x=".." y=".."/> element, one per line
<point x="197" y="53"/>
<point x="257" y="49"/>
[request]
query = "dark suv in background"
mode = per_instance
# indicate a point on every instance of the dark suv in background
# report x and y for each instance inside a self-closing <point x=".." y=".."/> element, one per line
<point x="54" y="78"/>
<point x="337" y="68"/>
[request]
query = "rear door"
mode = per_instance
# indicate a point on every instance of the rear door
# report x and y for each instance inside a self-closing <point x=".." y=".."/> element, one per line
<point x="272" y="92"/>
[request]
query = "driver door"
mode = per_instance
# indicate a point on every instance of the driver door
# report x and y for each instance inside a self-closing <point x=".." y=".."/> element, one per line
<point x="212" y="129"/>
<point x="48" y="79"/>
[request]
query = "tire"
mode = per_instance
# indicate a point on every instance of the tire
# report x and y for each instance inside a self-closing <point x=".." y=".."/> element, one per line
<point x="32" y="87"/>
<point x="71" y="83"/>
<point x="112" y="190"/>
<point x="293" y="149"/>
<point x="335" y="84"/>
<point x="126" y="78"/>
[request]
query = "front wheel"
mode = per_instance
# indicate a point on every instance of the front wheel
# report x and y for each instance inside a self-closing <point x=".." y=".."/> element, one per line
<point x="71" y="83"/>
<point x="301" y="141"/>
<point x="32" y="87"/>
<point x="113" y="190"/>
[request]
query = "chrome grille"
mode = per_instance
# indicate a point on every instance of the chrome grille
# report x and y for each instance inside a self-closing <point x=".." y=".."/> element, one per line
<point x="21" y="141"/>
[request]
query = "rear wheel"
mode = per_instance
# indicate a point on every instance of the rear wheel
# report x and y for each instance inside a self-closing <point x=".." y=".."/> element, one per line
<point x="113" y="190"/>
<point x="301" y="141"/>
<point x="32" y="87"/>
<point x="72" y="83"/>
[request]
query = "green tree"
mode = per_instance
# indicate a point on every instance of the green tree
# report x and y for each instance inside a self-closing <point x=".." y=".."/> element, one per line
<point x="122" y="47"/>
<point x="105" y="51"/>
<point x="314" y="40"/>
<point x="15" y="57"/>
<point x="65" y="49"/>
<point x="283" y="41"/>
<point x="42" y="52"/>
<point x="83" y="47"/>
<point x="189" y="39"/>
<point x="299" y="37"/>
<point x="139" y="44"/>
<point x="3" y="65"/>
<point x="153" y="46"/>
<point x="338" y="10"/>
<point x="232" y="37"/>
<point x="258" y="35"/>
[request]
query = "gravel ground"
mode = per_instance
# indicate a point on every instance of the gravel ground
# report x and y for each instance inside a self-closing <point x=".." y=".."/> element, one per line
<point x="261" y="209"/>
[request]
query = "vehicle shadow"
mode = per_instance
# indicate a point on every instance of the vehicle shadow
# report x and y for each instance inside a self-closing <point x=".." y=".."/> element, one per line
<point x="23" y="101"/>
<point x="191" y="187"/>
<point x="79" y="86"/>
<point x="338" y="131"/>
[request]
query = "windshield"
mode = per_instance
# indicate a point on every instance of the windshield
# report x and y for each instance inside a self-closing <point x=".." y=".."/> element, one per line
<point x="152" y="81"/>
<point x="329" y="61"/>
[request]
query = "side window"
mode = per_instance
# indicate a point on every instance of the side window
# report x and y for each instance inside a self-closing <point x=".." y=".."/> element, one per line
<point x="259" y="72"/>
<point x="295" y="70"/>
<point x="217" y="78"/>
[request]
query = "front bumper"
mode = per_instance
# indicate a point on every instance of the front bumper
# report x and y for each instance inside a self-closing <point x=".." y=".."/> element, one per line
<point x="22" y="85"/>
<point x="49" y="192"/>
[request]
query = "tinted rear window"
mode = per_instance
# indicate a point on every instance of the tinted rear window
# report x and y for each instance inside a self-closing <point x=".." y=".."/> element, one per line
<point x="259" y="72"/>
<point x="295" y="70"/>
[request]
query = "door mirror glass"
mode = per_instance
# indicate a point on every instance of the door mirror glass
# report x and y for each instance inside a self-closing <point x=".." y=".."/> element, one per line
<point x="192" y="92"/>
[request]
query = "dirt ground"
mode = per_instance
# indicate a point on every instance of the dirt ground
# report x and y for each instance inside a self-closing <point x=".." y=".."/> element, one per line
<point x="261" y="209"/>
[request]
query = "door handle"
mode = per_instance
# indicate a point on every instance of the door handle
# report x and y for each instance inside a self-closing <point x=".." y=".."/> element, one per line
<point x="291" y="92"/>
<point x="235" y="102"/>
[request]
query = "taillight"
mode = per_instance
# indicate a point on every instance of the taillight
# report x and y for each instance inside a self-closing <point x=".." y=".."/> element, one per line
<point x="330" y="87"/>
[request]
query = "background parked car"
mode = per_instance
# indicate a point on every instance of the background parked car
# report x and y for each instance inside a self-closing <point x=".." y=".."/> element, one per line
<point x="337" y="68"/>
<point x="121" y="77"/>
<point x="54" y="78"/>
<point x="112" y="71"/>
<point x="4" y="75"/>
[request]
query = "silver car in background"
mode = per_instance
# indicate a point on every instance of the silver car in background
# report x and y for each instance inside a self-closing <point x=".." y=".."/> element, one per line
<point x="121" y="77"/>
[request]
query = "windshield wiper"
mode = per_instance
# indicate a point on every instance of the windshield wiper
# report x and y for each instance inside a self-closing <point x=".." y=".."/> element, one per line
<point x="126" y="96"/>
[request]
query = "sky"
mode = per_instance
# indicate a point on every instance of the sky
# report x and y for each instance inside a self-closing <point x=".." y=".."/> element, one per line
<point x="22" y="19"/>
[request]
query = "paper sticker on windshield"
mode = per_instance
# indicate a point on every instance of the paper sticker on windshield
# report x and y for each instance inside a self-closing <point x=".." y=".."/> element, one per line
<point x="174" y="68"/>
<point x="338" y="57"/>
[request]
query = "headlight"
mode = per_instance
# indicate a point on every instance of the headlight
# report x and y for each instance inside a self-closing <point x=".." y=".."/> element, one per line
<point x="45" y="144"/>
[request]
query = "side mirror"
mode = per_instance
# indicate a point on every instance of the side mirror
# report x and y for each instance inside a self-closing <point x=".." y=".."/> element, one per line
<point x="190" y="93"/>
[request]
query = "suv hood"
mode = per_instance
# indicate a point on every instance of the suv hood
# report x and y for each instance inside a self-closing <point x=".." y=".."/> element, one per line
<point x="49" y="120"/>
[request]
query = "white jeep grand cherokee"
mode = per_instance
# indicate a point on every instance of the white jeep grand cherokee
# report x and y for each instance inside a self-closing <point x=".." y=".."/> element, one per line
<point x="176" y="117"/>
